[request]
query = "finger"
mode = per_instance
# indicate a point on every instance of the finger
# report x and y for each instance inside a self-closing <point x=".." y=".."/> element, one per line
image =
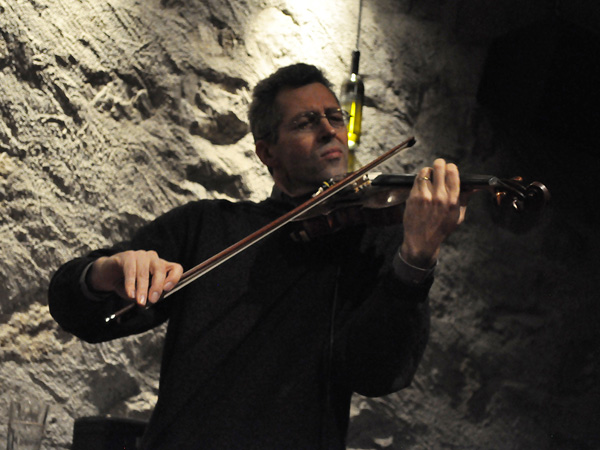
<point x="129" y="267"/>
<point x="463" y="212"/>
<point x="173" y="276"/>
<point x="439" y="179"/>
<point x="142" y="277"/>
<point x="463" y="200"/>
<point x="158" y="271"/>
<point x="453" y="181"/>
<point x="423" y="180"/>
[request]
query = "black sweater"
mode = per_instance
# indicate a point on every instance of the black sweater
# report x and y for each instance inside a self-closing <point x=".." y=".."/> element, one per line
<point x="265" y="351"/>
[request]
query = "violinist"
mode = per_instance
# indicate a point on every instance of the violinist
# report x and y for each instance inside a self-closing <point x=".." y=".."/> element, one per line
<point x="265" y="351"/>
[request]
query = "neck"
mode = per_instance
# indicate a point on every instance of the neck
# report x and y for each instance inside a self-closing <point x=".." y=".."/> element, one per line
<point x="293" y="189"/>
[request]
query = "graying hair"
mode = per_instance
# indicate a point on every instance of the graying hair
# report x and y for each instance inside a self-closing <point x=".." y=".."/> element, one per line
<point x="264" y="114"/>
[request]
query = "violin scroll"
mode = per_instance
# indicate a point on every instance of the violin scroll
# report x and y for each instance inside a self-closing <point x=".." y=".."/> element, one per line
<point x="518" y="207"/>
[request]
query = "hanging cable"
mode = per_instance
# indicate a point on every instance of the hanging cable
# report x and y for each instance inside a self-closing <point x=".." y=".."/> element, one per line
<point x="359" y="22"/>
<point x="352" y="98"/>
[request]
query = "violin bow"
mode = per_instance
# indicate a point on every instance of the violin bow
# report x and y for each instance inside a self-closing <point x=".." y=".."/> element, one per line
<point x="206" y="266"/>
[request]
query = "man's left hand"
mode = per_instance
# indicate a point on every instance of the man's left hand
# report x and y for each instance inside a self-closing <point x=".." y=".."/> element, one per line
<point x="435" y="207"/>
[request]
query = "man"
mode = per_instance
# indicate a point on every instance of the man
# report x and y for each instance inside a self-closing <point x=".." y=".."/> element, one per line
<point x="265" y="351"/>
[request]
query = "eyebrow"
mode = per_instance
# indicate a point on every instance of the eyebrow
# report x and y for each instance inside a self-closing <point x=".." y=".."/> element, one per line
<point x="313" y="111"/>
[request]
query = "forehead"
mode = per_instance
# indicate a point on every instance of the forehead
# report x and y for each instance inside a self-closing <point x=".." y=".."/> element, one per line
<point x="311" y="97"/>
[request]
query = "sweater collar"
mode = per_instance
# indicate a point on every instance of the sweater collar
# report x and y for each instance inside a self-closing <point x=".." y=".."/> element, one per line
<point x="279" y="196"/>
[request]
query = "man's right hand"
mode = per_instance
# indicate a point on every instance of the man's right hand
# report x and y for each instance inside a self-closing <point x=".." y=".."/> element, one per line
<point x="136" y="275"/>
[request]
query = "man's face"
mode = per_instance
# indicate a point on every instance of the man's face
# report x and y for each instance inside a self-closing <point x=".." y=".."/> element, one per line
<point x="310" y="149"/>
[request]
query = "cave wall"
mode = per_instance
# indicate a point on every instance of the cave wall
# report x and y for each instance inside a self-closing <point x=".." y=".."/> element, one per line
<point x="115" y="111"/>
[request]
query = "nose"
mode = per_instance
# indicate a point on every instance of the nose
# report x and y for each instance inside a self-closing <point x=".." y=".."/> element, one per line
<point x="326" y="128"/>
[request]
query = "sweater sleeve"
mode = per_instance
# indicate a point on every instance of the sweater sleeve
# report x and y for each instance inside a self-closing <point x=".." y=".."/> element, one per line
<point x="84" y="316"/>
<point x="379" y="343"/>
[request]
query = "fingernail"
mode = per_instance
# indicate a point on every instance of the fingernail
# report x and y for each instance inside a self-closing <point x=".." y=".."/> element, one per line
<point x="168" y="286"/>
<point x="142" y="300"/>
<point x="154" y="297"/>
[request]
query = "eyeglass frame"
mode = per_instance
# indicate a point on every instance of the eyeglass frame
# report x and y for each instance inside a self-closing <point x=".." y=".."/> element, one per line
<point x="314" y="120"/>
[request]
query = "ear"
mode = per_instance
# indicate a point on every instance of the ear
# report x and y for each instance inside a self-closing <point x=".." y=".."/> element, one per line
<point x="264" y="153"/>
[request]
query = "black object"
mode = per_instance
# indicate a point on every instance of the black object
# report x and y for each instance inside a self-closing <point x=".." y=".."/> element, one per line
<point x="107" y="433"/>
<point x="546" y="77"/>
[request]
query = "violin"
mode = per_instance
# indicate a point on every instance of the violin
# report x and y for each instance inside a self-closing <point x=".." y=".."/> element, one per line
<point x="356" y="200"/>
<point x="380" y="201"/>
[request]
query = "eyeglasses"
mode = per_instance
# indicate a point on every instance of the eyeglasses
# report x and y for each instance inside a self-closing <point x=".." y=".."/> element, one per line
<point x="311" y="120"/>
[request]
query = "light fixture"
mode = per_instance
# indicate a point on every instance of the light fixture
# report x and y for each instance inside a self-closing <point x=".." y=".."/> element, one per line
<point x="352" y="97"/>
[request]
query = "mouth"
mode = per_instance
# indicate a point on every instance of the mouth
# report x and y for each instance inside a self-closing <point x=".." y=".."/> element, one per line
<point x="332" y="153"/>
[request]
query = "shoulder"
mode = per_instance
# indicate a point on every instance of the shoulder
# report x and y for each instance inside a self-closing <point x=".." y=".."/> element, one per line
<point x="198" y="208"/>
<point x="206" y="211"/>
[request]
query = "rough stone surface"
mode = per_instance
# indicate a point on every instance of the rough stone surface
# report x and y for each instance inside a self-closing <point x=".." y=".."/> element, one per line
<point x="115" y="111"/>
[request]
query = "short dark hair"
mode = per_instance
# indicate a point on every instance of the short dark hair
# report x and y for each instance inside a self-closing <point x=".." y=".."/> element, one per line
<point x="264" y="115"/>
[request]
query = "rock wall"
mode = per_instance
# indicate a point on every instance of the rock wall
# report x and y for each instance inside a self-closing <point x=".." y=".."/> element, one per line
<point x="115" y="111"/>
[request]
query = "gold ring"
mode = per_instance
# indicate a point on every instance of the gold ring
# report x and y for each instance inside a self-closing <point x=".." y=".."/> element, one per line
<point x="424" y="178"/>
